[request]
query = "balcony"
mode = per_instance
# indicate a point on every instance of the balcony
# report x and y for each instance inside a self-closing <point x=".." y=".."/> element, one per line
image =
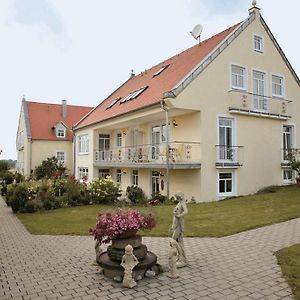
<point x="228" y="156"/>
<point x="245" y="103"/>
<point x="181" y="156"/>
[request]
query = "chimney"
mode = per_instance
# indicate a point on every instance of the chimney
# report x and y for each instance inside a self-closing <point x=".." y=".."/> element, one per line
<point x="64" y="108"/>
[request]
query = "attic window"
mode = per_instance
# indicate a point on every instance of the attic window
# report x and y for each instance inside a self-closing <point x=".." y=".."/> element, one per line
<point x="134" y="94"/>
<point x="113" y="103"/>
<point x="160" y="70"/>
<point x="61" y="133"/>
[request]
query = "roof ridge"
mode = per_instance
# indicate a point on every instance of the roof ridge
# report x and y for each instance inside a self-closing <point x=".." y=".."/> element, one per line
<point x="47" y="103"/>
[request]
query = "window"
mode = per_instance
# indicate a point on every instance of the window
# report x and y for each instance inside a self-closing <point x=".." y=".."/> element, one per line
<point x="226" y="151"/>
<point x="113" y="103"/>
<point x="238" y="77"/>
<point x="135" y="177"/>
<point x="160" y="70"/>
<point x="119" y="175"/>
<point x="104" y="173"/>
<point x="61" y="132"/>
<point x="83" y="143"/>
<point x="83" y="173"/>
<point x="134" y="94"/>
<point x="287" y="140"/>
<point x="155" y="179"/>
<point x="226" y="184"/>
<point x="277" y="86"/>
<point x="259" y="90"/>
<point x="119" y="139"/>
<point x="258" y="43"/>
<point x="20" y="140"/>
<point x="158" y="136"/>
<point x="61" y="156"/>
<point x="288" y="177"/>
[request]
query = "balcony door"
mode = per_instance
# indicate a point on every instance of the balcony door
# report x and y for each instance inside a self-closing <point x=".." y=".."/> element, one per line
<point x="259" y="91"/>
<point x="159" y="134"/>
<point x="288" y="140"/>
<point x="104" y="146"/>
<point x="225" y="151"/>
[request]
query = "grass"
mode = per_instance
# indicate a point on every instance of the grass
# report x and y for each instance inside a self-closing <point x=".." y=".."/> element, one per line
<point x="214" y="219"/>
<point x="289" y="261"/>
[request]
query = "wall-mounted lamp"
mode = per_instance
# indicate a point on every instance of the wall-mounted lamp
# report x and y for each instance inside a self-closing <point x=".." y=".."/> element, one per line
<point x="124" y="171"/>
<point x="175" y="124"/>
<point x="124" y="132"/>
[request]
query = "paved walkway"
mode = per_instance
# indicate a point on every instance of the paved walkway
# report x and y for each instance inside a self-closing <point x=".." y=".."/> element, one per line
<point x="241" y="266"/>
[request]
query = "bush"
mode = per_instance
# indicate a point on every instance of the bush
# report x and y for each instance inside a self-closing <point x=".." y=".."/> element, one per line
<point x="135" y="194"/>
<point x="103" y="191"/>
<point x="45" y="196"/>
<point x="32" y="206"/>
<point x="157" y="198"/>
<point x="49" y="168"/>
<point x="19" y="197"/>
<point x="75" y="194"/>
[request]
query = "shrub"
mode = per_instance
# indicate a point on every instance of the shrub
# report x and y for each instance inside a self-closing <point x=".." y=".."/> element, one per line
<point x="45" y="196"/>
<point x="49" y="168"/>
<point x="75" y="194"/>
<point x="19" y="197"/>
<point x="32" y="206"/>
<point x="157" y="198"/>
<point x="135" y="194"/>
<point x="103" y="191"/>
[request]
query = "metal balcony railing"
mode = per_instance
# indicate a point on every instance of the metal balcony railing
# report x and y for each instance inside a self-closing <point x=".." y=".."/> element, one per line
<point x="179" y="152"/>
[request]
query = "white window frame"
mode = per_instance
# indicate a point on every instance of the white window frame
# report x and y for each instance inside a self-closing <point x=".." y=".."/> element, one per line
<point x="119" y="139"/>
<point x="83" y="171"/>
<point x="119" y="176"/>
<point x="293" y="137"/>
<point x="101" y="173"/>
<point x="233" y="184"/>
<point x="135" y="177"/>
<point x="65" y="156"/>
<point x="266" y="90"/>
<point x="245" y="77"/>
<point x="262" y="43"/>
<point x="60" y="132"/>
<point x="282" y="96"/>
<point x="288" y="181"/>
<point x="83" y="143"/>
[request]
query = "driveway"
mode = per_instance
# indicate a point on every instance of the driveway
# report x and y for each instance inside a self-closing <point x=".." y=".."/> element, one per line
<point x="241" y="266"/>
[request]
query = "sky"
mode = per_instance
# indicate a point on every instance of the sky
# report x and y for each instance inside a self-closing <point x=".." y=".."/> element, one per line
<point x="82" y="50"/>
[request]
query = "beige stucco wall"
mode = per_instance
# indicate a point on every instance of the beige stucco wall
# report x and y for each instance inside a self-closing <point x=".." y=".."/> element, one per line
<point x="42" y="149"/>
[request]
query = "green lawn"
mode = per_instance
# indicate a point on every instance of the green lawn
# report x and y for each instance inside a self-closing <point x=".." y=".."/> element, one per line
<point x="289" y="260"/>
<point x="213" y="219"/>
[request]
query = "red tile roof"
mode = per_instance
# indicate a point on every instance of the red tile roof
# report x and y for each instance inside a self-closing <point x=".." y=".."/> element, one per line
<point x="44" y="116"/>
<point x="180" y="65"/>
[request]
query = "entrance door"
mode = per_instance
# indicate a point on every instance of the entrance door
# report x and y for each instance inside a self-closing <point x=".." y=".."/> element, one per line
<point x="104" y="145"/>
<point x="155" y="182"/>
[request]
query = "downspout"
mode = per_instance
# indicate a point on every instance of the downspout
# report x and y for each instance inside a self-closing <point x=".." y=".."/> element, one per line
<point x="164" y="107"/>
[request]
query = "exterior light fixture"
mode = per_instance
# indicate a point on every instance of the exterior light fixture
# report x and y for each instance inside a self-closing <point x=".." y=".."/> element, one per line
<point x="175" y="124"/>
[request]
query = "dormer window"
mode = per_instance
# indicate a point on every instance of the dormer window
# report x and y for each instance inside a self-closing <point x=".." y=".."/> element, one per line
<point x="258" y="43"/>
<point x="61" y="132"/>
<point x="113" y="103"/>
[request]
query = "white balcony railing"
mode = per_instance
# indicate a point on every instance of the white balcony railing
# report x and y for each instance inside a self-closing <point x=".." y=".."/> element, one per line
<point x="242" y="102"/>
<point x="179" y="152"/>
<point x="229" y="155"/>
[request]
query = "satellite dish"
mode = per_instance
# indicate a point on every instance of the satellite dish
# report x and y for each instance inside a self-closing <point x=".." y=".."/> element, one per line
<point x="196" y="32"/>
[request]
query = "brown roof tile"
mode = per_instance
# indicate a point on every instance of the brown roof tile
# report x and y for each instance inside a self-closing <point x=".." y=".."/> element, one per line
<point x="180" y="65"/>
<point x="44" y="116"/>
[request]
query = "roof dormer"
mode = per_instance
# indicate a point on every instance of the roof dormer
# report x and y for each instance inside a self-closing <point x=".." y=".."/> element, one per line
<point x="60" y="130"/>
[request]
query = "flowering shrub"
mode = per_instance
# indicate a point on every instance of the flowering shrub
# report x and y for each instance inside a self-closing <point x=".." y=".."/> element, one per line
<point x="114" y="224"/>
<point x="103" y="191"/>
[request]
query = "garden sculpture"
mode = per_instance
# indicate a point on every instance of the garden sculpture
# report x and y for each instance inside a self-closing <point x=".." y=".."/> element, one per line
<point x="129" y="261"/>
<point x="98" y="251"/>
<point x="173" y="257"/>
<point x="177" y="228"/>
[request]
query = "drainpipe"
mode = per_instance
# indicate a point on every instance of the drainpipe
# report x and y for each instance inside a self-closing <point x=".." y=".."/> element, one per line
<point x="164" y="107"/>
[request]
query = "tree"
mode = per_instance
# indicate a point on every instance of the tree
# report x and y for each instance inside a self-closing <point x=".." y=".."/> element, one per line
<point x="50" y="167"/>
<point x="4" y="165"/>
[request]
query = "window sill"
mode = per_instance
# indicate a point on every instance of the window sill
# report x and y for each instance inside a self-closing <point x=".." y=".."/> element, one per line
<point x="83" y="153"/>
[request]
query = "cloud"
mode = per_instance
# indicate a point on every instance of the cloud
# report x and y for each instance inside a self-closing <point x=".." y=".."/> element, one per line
<point x="38" y="13"/>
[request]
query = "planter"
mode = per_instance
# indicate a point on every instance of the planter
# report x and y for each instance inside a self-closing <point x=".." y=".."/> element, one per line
<point x="298" y="181"/>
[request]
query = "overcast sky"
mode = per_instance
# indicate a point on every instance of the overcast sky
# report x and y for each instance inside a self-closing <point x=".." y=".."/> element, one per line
<point x="82" y="50"/>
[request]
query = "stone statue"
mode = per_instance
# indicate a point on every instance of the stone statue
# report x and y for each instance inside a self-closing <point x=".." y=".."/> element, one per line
<point x="98" y="251"/>
<point x="177" y="228"/>
<point x="173" y="257"/>
<point x="129" y="261"/>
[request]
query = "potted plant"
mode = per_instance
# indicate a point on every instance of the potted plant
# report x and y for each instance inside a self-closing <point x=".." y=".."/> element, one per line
<point x="120" y="223"/>
<point x="294" y="163"/>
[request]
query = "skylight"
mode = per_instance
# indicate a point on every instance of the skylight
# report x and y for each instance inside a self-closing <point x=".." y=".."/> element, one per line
<point x="113" y="103"/>
<point x="160" y="70"/>
<point x="134" y="94"/>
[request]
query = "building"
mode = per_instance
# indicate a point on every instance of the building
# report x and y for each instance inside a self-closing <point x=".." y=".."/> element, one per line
<point x="45" y="130"/>
<point x="232" y="105"/>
